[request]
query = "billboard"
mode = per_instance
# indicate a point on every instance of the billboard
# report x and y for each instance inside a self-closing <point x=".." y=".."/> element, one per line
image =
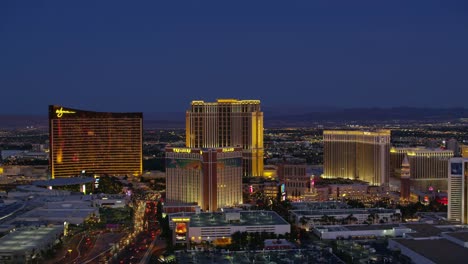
<point x="456" y="168"/>
<point x="229" y="163"/>
<point x="181" y="231"/>
<point x="283" y="192"/>
<point x="188" y="164"/>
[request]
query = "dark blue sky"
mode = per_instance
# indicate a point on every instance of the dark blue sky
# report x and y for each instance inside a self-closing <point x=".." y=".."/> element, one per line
<point x="157" y="56"/>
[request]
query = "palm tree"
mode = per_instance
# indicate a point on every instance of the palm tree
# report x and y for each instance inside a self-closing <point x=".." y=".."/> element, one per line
<point x="396" y="217"/>
<point x="350" y="219"/>
<point x="373" y="218"/>
<point x="324" y="220"/>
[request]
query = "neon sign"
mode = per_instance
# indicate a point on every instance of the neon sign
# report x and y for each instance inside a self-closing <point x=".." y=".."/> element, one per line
<point x="228" y="149"/>
<point x="180" y="219"/>
<point x="181" y="150"/>
<point x="60" y="112"/>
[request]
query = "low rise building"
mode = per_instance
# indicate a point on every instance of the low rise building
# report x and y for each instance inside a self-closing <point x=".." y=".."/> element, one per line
<point x="460" y="238"/>
<point x="58" y="212"/>
<point x="323" y="189"/>
<point x="428" y="243"/>
<point x="111" y="201"/>
<point x="295" y="179"/>
<point x="278" y="244"/>
<point x="24" y="172"/>
<point x="199" y="227"/>
<point x="430" y="251"/>
<point x="360" y="231"/>
<point x="310" y="218"/>
<point x="25" y="245"/>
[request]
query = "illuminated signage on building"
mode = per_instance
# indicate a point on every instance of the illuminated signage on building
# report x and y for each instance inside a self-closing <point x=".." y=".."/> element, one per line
<point x="180" y="220"/>
<point x="228" y="149"/>
<point x="96" y="182"/>
<point x="181" y="150"/>
<point x="283" y="192"/>
<point x="60" y="112"/>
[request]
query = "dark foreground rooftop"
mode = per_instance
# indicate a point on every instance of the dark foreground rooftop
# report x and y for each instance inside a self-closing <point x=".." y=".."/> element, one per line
<point x="437" y="250"/>
<point x="64" y="181"/>
<point x="247" y="218"/>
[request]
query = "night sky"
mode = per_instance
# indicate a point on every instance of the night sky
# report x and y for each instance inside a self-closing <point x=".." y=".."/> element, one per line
<point x="157" y="56"/>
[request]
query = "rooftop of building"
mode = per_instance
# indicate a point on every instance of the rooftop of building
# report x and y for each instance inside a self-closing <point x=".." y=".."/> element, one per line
<point x="380" y="132"/>
<point x="64" y="181"/>
<point x="28" y="239"/>
<point x="423" y="230"/>
<point x="6" y="228"/>
<point x="319" y="205"/>
<point x="247" y="218"/>
<point x="354" y="211"/>
<point x="463" y="236"/>
<point x="58" y="213"/>
<point x="170" y="149"/>
<point x="7" y="210"/>
<point x="228" y="101"/>
<point x="343" y="228"/>
<point x="62" y="112"/>
<point x="371" y="227"/>
<point x="417" y="150"/>
<point x="277" y="242"/>
<point x="437" y="250"/>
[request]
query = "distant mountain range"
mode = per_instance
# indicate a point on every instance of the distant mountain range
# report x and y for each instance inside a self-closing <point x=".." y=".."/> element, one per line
<point x="373" y="114"/>
<point x="284" y="116"/>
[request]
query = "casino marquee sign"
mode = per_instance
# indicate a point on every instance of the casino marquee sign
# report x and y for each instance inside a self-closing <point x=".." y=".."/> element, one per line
<point x="61" y="112"/>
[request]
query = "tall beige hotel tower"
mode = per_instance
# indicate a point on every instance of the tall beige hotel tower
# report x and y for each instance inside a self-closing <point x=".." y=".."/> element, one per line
<point x="228" y="123"/>
<point x="362" y="155"/>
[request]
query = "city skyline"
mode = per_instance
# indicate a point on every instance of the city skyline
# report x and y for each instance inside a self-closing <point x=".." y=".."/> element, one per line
<point x="233" y="131"/>
<point x="156" y="57"/>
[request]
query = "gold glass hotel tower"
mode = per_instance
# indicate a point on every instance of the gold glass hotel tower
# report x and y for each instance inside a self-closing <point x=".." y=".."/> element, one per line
<point x="228" y="123"/>
<point x="359" y="155"/>
<point x="211" y="178"/>
<point x="95" y="142"/>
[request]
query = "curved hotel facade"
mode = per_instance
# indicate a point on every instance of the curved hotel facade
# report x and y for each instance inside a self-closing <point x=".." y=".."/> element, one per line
<point x="362" y="155"/>
<point x="428" y="167"/>
<point x="96" y="142"/>
<point x="211" y="178"/>
<point x="228" y="123"/>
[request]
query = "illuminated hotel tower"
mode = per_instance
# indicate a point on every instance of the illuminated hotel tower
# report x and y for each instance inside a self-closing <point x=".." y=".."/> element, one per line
<point x="96" y="142"/>
<point x="458" y="190"/>
<point x="405" y="191"/>
<point x="211" y="178"/>
<point x="428" y="166"/>
<point x="228" y="123"/>
<point x="359" y="155"/>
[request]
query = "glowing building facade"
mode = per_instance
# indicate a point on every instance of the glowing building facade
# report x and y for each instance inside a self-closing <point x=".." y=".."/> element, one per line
<point x="361" y="155"/>
<point x="228" y="123"/>
<point x="428" y="167"/>
<point x="96" y="142"/>
<point x="458" y="190"/>
<point x="295" y="179"/>
<point x="211" y="178"/>
<point x="405" y="185"/>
